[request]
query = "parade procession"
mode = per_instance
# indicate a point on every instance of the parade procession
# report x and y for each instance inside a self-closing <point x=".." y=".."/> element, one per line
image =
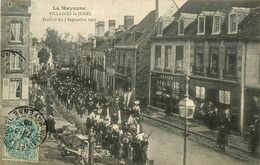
<point x="112" y="122"/>
<point x="130" y="82"/>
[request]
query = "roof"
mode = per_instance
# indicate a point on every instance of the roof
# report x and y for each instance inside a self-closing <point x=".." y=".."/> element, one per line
<point x="15" y="6"/>
<point x="137" y="32"/>
<point x="196" y="6"/>
<point x="102" y="45"/>
<point x="222" y="6"/>
<point x="250" y="25"/>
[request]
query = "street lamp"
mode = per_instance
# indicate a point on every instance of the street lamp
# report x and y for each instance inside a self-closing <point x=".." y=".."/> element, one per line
<point x="187" y="108"/>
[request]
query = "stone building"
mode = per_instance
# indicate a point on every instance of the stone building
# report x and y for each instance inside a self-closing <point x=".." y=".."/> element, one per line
<point x="208" y="41"/>
<point x="14" y="72"/>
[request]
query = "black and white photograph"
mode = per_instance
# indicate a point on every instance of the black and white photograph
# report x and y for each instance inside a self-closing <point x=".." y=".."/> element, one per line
<point x="130" y="82"/>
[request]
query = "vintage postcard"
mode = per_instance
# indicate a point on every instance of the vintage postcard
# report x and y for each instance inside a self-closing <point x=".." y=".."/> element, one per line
<point x="130" y="82"/>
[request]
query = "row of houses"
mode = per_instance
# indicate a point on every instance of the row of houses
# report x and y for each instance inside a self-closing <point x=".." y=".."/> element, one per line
<point x="214" y="42"/>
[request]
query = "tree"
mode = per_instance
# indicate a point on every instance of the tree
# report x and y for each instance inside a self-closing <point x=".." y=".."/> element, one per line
<point x="43" y="56"/>
<point x="52" y="41"/>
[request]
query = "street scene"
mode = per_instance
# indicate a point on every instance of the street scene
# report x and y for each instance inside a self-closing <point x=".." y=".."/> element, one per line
<point x="176" y="83"/>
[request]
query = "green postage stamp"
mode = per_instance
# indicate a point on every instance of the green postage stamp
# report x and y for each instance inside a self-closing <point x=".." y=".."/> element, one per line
<point x="25" y="130"/>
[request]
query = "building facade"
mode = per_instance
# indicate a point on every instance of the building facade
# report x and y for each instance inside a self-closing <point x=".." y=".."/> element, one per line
<point x="15" y="20"/>
<point x="208" y="41"/>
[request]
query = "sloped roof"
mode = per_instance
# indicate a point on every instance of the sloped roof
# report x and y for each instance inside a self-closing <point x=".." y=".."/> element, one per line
<point x="250" y="25"/>
<point x="16" y="6"/>
<point x="191" y="30"/>
<point x="102" y="45"/>
<point x="134" y="35"/>
<point x="13" y="9"/>
<point x="196" y="6"/>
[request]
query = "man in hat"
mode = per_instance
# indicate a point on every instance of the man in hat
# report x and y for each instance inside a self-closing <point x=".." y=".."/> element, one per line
<point x="254" y="135"/>
<point x="129" y="97"/>
<point x="136" y="111"/>
<point x="51" y="126"/>
<point x="224" y="131"/>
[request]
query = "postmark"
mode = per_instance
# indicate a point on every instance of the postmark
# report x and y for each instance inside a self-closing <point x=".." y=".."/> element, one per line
<point x="25" y="130"/>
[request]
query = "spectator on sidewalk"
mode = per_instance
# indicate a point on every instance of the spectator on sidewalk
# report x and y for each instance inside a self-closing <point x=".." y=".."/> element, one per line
<point x="254" y="135"/>
<point x="224" y="130"/>
<point x="50" y="109"/>
<point x="51" y="126"/>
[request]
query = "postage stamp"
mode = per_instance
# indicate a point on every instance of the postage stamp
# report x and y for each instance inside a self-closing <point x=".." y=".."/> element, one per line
<point x="25" y="130"/>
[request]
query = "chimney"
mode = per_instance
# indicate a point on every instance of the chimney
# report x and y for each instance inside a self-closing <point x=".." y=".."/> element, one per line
<point x="96" y="29"/>
<point x="100" y="28"/>
<point x="157" y="9"/>
<point x="121" y="27"/>
<point x="111" y="27"/>
<point x="128" y="21"/>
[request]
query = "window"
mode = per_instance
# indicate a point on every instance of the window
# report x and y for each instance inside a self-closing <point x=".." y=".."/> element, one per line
<point x="231" y="61"/>
<point x="168" y="50"/>
<point x="157" y="56"/>
<point x="15" y="89"/>
<point x="199" y="59"/>
<point x="181" y="27"/>
<point x="15" y="61"/>
<point x="123" y="59"/>
<point x="224" y="97"/>
<point x="214" y="58"/>
<point x="216" y="25"/>
<point x="201" y="24"/>
<point x="160" y="28"/>
<point x="129" y="62"/>
<point x="179" y="57"/>
<point x="232" y="28"/>
<point x="200" y="92"/>
<point x="16" y="32"/>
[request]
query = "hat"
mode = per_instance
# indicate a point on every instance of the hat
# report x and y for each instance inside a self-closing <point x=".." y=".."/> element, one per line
<point x="136" y="102"/>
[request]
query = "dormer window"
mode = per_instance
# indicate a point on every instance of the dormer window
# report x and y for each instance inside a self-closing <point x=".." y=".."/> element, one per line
<point x="216" y="25"/>
<point x="232" y="27"/>
<point x="201" y="25"/>
<point x="181" y="27"/>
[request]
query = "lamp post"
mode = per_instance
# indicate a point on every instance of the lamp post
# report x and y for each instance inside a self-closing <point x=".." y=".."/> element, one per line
<point x="91" y="147"/>
<point x="186" y="107"/>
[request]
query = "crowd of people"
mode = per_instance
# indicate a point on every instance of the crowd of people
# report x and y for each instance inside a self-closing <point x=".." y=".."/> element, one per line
<point x="115" y="120"/>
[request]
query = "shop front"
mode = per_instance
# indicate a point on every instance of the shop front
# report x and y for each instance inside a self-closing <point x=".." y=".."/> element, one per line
<point x="166" y="91"/>
<point x="216" y="95"/>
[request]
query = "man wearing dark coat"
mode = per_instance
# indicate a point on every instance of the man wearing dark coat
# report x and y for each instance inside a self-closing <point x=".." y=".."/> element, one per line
<point x="51" y="126"/>
<point x="224" y="130"/>
<point x="254" y="135"/>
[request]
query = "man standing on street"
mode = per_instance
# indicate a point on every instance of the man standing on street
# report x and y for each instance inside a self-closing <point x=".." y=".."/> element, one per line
<point x="224" y="130"/>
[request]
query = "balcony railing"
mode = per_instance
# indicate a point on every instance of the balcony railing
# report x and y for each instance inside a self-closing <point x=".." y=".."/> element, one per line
<point x="231" y="75"/>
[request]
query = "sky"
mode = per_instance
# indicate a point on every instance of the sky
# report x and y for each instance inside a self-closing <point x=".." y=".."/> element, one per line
<point x="100" y="10"/>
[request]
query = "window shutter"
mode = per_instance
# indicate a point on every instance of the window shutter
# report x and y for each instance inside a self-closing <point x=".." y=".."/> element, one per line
<point x="5" y="88"/>
<point x="221" y="96"/>
<point x="197" y="92"/>
<point x="25" y="88"/>
<point x="202" y="95"/>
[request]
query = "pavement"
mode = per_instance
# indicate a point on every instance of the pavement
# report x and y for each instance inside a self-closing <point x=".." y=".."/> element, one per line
<point x="238" y="146"/>
<point x="166" y="148"/>
<point x="235" y="140"/>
